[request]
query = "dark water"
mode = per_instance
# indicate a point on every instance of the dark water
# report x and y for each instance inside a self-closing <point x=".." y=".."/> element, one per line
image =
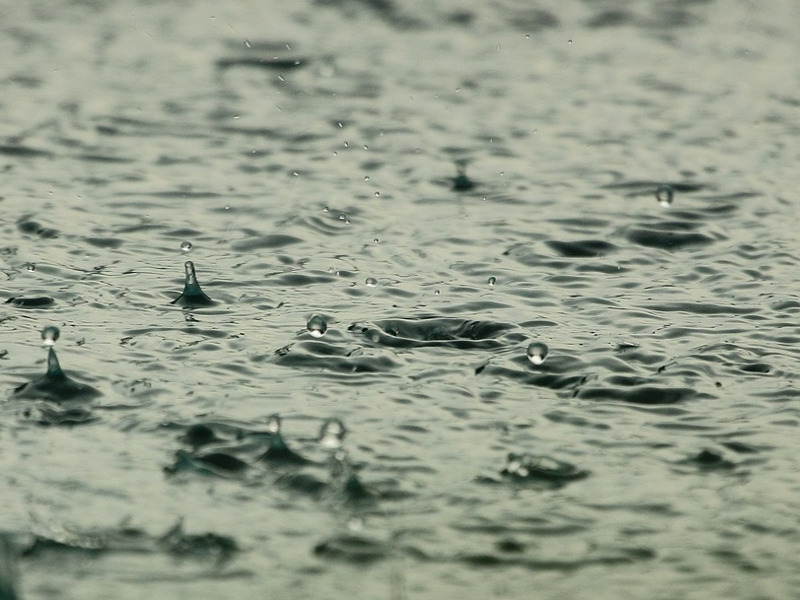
<point x="444" y="183"/>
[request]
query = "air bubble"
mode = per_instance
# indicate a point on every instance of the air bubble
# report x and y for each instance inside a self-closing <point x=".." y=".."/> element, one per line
<point x="537" y="353"/>
<point x="317" y="326"/>
<point x="664" y="195"/>
<point x="50" y="335"/>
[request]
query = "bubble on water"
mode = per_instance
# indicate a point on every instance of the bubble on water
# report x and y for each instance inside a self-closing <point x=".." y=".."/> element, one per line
<point x="186" y="246"/>
<point x="331" y="434"/>
<point x="50" y="335"/>
<point x="316" y="326"/>
<point x="274" y="424"/>
<point x="664" y="195"/>
<point x="30" y="266"/>
<point x="537" y="353"/>
<point x="371" y="282"/>
<point x="492" y="281"/>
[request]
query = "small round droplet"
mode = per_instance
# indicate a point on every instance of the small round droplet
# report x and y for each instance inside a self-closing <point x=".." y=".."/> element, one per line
<point x="50" y="335"/>
<point x="30" y="266"/>
<point x="371" y="282"/>
<point x="316" y="326"/>
<point x="274" y="424"/>
<point x="537" y="353"/>
<point x="331" y="434"/>
<point x="492" y="281"/>
<point x="664" y="195"/>
<point x="186" y="246"/>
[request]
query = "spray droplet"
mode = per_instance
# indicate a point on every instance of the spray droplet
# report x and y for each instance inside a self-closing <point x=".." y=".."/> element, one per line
<point x="274" y="424"/>
<point x="331" y="434"/>
<point x="492" y="281"/>
<point x="371" y="282"/>
<point x="50" y="335"/>
<point x="30" y="266"/>
<point x="664" y="195"/>
<point x="537" y="353"/>
<point x="316" y="326"/>
<point x="186" y="246"/>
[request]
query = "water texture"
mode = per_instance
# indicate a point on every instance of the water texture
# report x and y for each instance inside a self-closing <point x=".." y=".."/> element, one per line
<point x="385" y="204"/>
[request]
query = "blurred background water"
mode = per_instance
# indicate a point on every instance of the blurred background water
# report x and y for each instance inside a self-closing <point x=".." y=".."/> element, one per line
<point x="441" y="184"/>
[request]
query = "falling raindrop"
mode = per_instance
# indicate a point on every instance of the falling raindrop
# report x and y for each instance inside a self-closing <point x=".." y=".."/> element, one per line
<point x="186" y="246"/>
<point x="50" y="335"/>
<point x="664" y="195"/>
<point x="30" y="266"/>
<point x="331" y="434"/>
<point x="274" y="424"/>
<point x="371" y="282"/>
<point x="316" y="326"/>
<point x="537" y="353"/>
<point x="492" y="281"/>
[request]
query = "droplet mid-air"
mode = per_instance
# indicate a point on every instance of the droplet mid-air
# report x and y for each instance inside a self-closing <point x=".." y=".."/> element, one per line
<point x="331" y="434"/>
<point x="316" y="326"/>
<point x="278" y="450"/>
<point x="54" y="385"/>
<point x="664" y="195"/>
<point x="492" y="281"/>
<point x="371" y="282"/>
<point x="186" y="246"/>
<point x="50" y="335"/>
<point x="192" y="294"/>
<point x="537" y="353"/>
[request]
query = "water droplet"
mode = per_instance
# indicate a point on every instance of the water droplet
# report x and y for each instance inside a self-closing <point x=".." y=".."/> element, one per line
<point x="30" y="266"/>
<point x="186" y="246"/>
<point x="366" y="177"/>
<point x="366" y="147"/>
<point x="326" y="209"/>
<point x="377" y="194"/>
<point x="331" y="434"/>
<point x="375" y="240"/>
<point x="371" y="282"/>
<point x="492" y="281"/>
<point x="50" y="335"/>
<point x="537" y="353"/>
<point x="664" y="195"/>
<point x="527" y="36"/>
<point x="317" y="326"/>
<point x="436" y="293"/>
<point x="248" y="44"/>
<point x="569" y="41"/>
<point x="342" y="217"/>
<point x="274" y="424"/>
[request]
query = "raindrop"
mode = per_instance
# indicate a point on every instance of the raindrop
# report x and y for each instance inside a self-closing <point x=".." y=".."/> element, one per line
<point x="274" y="424"/>
<point x="30" y="266"/>
<point x="366" y="147"/>
<point x="377" y="194"/>
<point x="50" y="335"/>
<point x="436" y="293"/>
<point x="569" y="41"/>
<point x="331" y="434"/>
<point x="537" y="353"/>
<point x="527" y="36"/>
<point x="664" y="195"/>
<point x="366" y="177"/>
<point x="342" y="217"/>
<point x="186" y="246"/>
<point x="375" y="241"/>
<point x="316" y="326"/>
<point x="248" y="44"/>
<point x="371" y="282"/>
<point x="492" y="281"/>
